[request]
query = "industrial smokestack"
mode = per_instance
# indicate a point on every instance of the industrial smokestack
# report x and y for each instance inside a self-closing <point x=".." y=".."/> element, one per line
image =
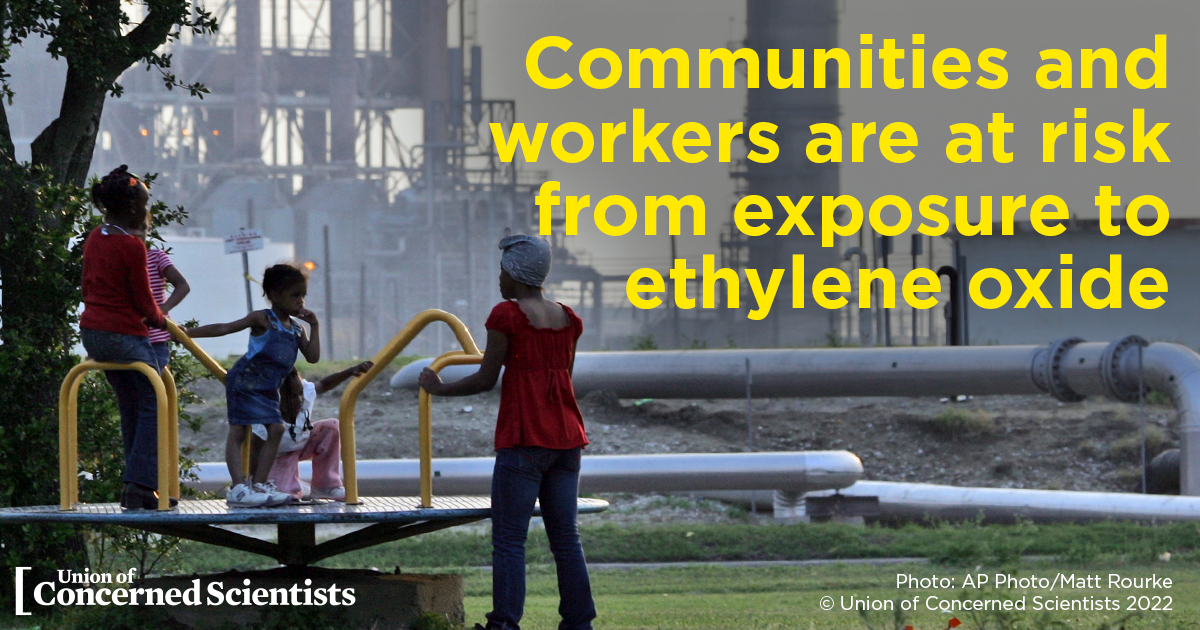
<point x="784" y="25"/>
<point x="343" y="82"/>
<point x="247" y="83"/>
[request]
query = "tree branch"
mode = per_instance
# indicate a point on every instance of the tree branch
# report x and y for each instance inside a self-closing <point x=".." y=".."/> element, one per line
<point x="150" y="34"/>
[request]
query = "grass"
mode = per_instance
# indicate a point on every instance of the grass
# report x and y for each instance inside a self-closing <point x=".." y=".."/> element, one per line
<point x="1129" y="447"/>
<point x="959" y="423"/>
<point x="788" y="598"/>
<point x="951" y="545"/>
<point x="778" y="598"/>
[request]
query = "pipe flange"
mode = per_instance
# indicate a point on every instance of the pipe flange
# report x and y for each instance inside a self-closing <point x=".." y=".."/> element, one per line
<point x="1110" y="369"/>
<point x="1051" y="365"/>
<point x="1038" y="368"/>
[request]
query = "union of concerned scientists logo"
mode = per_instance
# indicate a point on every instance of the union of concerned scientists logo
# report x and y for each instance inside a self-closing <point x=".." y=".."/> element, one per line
<point x="87" y="588"/>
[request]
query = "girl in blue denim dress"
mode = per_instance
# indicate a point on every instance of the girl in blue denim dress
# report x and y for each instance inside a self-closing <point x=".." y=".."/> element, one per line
<point x="252" y="385"/>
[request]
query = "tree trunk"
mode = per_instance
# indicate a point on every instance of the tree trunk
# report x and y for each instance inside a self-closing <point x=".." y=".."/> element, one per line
<point x="65" y="146"/>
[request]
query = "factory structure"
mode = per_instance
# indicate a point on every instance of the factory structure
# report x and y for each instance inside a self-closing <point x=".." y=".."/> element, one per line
<point x="302" y="136"/>
<point x="307" y="134"/>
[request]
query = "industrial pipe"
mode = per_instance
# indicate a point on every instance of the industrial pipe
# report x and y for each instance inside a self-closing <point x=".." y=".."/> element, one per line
<point x="791" y="471"/>
<point x="797" y="373"/>
<point x="923" y="501"/>
<point x="782" y="478"/>
<point x="1068" y="369"/>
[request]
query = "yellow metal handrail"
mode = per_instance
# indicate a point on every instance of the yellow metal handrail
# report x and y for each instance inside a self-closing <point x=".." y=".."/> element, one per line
<point x="425" y="420"/>
<point x="382" y="359"/>
<point x="68" y="431"/>
<point x="168" y="421"/>
<point x="168" y="410"/>
<point x="196" y="351"/>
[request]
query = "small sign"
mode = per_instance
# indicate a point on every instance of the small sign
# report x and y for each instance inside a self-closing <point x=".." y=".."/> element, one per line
<point x="244" y="241"/>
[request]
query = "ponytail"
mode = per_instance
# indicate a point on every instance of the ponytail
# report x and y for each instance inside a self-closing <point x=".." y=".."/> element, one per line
<point x="120" y="194"/>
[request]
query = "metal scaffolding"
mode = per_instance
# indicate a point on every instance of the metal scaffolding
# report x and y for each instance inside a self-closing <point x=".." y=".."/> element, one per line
<point x="354" y="118"/>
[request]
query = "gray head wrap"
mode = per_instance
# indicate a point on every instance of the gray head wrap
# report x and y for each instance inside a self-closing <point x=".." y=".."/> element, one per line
<point x="525" y="258"/>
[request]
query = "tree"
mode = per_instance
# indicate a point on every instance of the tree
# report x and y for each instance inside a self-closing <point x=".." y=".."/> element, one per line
<point x="43" y="209"/>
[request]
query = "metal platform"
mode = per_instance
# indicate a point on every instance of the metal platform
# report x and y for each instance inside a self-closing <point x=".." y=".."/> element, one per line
<point x="386" y="518"/>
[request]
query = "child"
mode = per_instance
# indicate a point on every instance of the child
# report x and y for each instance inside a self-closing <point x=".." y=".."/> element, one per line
<point x="305" y="440"/>
<point x="252" y="385"/>
<point x="117" y="306"/>
<point x="539" y="434"/>
<point x="162" y="272"/>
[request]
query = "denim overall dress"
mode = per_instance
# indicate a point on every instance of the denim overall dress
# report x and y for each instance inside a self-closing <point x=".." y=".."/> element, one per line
<point x="252" y="386"/>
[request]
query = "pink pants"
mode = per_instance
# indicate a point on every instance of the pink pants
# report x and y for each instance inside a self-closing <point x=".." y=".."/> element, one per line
<point x="324" y="448"/>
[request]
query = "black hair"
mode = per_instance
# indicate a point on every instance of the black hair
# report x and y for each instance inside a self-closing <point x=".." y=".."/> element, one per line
<point x="282" y="276"/>
<point x="288" y="390"/>
<point x="121" y="194"/>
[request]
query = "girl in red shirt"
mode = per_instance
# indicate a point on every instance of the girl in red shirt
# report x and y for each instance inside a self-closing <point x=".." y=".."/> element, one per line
<point x="118" y="307"/>
<point x="539" y="435"/>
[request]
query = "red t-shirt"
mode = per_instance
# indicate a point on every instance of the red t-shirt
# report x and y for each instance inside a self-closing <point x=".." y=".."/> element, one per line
<point x="116" y="287"/>
<point x="537" y="399"/>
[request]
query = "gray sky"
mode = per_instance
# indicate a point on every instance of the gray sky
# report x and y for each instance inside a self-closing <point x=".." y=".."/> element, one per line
<point x="508" y="27"/>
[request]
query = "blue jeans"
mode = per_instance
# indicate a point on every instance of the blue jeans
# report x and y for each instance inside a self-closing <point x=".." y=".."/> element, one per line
<point x="135" y="399"/>
<point x="162" y="351"/>
<point x="521" y="476"/>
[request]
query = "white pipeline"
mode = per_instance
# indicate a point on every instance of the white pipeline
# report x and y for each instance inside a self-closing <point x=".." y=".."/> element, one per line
<point x="791" y="471"/>
<point x="919" y="501"/>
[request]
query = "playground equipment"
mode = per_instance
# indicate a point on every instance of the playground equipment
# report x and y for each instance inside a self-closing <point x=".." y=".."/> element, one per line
<point x="470" y="354"/>
<point x="168" y="421"/>
<point x="68" y="430"/>
<point x="389" y="518"/>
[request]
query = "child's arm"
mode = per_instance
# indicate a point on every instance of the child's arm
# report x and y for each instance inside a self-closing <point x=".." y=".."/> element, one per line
<point x="481" y="381"/>
<point x="333" y="380"/>
<point x="310" y="344"/>
<point x="257" y="323"/>
<point x="179" y="288"/>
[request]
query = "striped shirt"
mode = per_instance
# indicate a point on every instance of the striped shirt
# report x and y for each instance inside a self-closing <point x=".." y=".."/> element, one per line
<point x="157" y="262"/>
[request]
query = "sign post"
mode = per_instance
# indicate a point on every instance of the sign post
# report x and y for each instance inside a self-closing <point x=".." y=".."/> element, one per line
<point x="242" y="242"/>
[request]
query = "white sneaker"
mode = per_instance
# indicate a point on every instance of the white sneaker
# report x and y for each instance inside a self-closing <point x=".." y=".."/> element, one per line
<point x="336" y="494"/>
<point x="243" y="496"/>
<point x="275" y="498"/>
<point x="305" y="492"/>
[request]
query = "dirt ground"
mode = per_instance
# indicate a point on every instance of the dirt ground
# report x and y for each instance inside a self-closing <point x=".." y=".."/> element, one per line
<point x="1000" y="441"/>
